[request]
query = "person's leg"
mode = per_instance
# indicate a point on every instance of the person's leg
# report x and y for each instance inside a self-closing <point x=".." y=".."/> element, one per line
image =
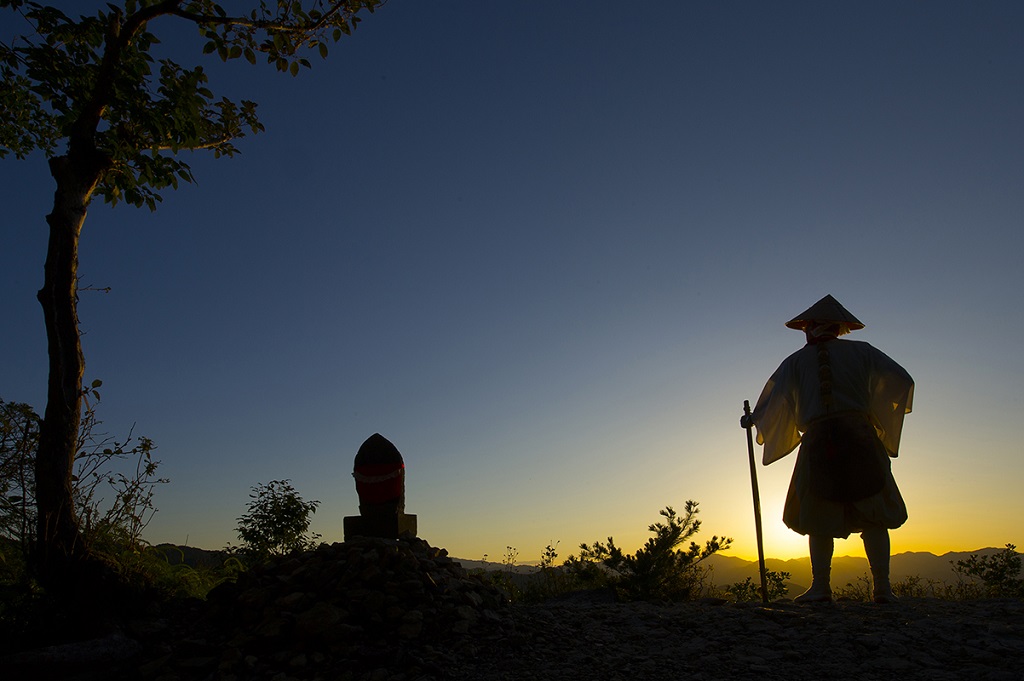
<point x="876" y="546"/>
<point x="821" y="571"/>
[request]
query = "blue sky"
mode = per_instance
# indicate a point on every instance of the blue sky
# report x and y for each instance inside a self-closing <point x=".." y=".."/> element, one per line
<point x="548" y="249"/>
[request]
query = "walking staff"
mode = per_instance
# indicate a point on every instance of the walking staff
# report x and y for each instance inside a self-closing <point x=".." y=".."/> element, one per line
<point x="757" y="504"/>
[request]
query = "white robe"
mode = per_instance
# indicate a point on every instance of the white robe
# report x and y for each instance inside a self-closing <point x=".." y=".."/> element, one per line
<point x="864" y="380"/>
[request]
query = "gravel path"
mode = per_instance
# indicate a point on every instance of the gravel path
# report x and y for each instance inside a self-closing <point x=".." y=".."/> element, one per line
<point x="914" y="639"/>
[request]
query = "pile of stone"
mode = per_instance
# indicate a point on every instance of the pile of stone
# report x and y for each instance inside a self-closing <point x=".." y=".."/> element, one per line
<point x="916" y="639"/>
<point x="367" y="608"/>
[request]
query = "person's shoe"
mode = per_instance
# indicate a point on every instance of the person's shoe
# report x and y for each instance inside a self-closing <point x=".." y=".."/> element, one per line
<point x="882" y="593"/>
<point x="816" y="594"/>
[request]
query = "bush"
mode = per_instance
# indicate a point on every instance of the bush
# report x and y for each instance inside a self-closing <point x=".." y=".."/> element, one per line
<point x="19" y="439"/>
<point x="995" y="576"/>
<point x="657" y="571"/>
<point x="276" y="521"/>
<point x="113" y="507"/>
<point x="860" y="590"/>
<point x="775" y="585"/>
<point x="115" y="526"/>
<point x="530" y="586"/>
<point x="176" y="578"/>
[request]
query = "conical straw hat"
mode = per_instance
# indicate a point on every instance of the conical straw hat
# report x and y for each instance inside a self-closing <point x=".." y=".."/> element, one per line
<point x="827" y="309"/>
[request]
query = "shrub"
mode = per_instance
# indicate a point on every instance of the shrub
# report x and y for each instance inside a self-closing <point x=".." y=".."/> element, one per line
<point x="276" y="521"/>
<point x="19" y="439"/>
<point x="176" y="579"/>
<point x="507" y="578"/>
<point x="775" y="585"/>
<point x="113" y="507"/>
<point x="657" y="571"/>
<point x="115" y="526"/>
<point x="547" y="581"/>
<point x="999" y="574"/>
<point x="913" y="586"/>
<point x="854" y="591"/>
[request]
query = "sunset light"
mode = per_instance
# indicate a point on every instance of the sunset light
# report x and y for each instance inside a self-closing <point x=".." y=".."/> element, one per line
<point x="549" y="253"/>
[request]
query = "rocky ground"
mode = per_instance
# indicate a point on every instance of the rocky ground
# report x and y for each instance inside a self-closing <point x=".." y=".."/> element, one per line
<point x="404" y="611"/>
<point x="914" y="639"/>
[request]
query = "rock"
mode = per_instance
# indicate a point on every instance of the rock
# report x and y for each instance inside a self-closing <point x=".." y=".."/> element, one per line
<point x="365" y="608"/>
<point x="913" y="640"/>
<point x="72" y="660"/>
<point x="418" y="616"/>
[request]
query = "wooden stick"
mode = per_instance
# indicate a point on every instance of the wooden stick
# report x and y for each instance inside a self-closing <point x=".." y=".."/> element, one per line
<point x="757" y="504"/>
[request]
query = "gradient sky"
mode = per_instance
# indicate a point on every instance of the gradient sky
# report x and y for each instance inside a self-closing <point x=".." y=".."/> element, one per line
<point x="548" y="249"/>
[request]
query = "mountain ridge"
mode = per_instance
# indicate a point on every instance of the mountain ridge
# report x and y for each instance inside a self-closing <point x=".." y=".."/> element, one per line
<point x="924" y="565"/>
<point x="728" y="570"/>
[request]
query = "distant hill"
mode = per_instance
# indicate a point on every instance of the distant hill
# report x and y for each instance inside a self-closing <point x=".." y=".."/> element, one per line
<point x="845" y="569"/>
<point x="726" y="569"/>
<point x="191" y="556"/>
<point x="490" y="566"/>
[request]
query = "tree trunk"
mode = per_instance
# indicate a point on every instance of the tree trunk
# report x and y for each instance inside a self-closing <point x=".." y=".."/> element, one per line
<point x="60" y="548"/>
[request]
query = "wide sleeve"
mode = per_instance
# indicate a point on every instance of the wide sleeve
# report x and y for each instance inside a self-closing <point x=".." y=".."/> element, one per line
<point x="775" y="416"/>
<point x="892" y="397"/>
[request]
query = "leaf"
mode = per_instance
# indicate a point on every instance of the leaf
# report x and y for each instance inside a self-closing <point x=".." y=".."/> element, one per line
<point x="294" y="68"/>
<point x="97" y="383"/>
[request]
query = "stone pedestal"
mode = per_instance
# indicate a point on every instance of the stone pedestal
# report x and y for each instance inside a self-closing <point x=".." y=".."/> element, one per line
<point x="390" y="526"/>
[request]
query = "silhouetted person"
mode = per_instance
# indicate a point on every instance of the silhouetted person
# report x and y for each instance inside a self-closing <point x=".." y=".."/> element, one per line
<point x="843" y="402"/>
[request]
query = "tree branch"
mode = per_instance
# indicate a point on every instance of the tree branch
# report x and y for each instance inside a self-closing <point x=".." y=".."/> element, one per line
<point x="335" y="8"/>
<point x="209" y="144"/>
<point x="119" y="35"/>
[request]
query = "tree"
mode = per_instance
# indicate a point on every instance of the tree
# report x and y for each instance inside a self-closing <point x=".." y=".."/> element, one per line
<point x="111" y="119"/>
<point x="276" y="521"/>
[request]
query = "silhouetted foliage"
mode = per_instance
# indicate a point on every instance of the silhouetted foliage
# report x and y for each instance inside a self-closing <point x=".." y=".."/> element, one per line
<point x="527" y="585"/>
<point x="112" y="120"/>
<point x="276" y="521"/>
<point x="116" y="525"/>
<point x="999" y="574"/>
<point x="112" y="490"/>
<point x="112" y="486"/>
<point x="660" y="569"/>
<point x="748" y="590"/>
<point x="19" y="438"/>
